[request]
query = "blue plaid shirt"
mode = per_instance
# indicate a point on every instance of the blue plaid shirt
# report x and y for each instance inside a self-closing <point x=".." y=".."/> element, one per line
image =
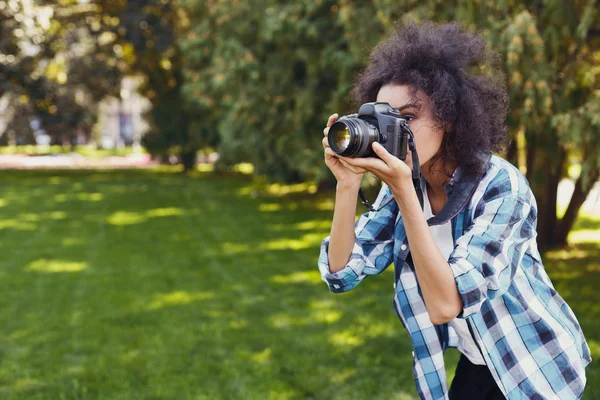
<point x="528" y="335"/>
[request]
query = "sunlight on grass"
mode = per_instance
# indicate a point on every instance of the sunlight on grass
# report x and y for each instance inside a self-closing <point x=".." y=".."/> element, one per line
<point x="30" y="217"/>
<point x="132" y="218"/>
<point x="26" y="383"/>
<point x="312" y="277"/>
<point x="566" y="274"/>
<point x="314" y="225"/>
<point x="2" y="202"/>
<point x="17" y="225"/>
<point x="235" y="248"/>
<point x="376" y="328"/>
<point x="566" y="254"/>
<point x="71" y="242"/>
<point x="90" y="196"/>
<point x="346" y="339"/>
<point x="56" y="215"/>
<point x="262" y="357"/>
<point x="126" y="218"/>
<point x="60" y="198"/>
<point x="309" y="240"/>
<point x="177" y="298"/>
<point x="326" y="316"/>
<point x="279" y="189"/>
<point x="284" y="320"/>
<point x="584" y="236"/>
<point x="325" y="205"/>
<point x="164" y="212"/>
<point x="269" y="207"/>
<point x="52" y="266"/>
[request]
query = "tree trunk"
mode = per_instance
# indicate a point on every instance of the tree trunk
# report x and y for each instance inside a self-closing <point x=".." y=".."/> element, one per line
<point x="512" y="153"/>
<point x="579" y="195"/>
<point x="544" y="171"/>
<point x="188" y="159"/>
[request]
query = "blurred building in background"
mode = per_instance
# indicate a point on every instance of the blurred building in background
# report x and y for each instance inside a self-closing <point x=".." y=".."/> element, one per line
<point x="120" y="121"/>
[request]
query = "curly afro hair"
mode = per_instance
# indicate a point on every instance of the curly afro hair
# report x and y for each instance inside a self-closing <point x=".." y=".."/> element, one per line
<point x="461" y="78"/>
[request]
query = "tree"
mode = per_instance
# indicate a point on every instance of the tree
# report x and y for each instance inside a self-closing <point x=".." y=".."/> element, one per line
<point x="151" y="28"/>
<point x="552" y="57"/>
<point x="268" y="73"/>
<point x="50" y="72"/>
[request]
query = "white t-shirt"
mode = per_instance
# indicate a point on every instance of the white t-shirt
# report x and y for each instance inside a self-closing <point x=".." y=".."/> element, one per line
<point x="443" y="238"/>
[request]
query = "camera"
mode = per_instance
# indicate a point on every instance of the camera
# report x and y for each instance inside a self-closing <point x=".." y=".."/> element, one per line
<point x="353" y="134"/>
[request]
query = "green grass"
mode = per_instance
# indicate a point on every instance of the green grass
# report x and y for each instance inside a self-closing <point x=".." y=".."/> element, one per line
<point x="155" y="285"/>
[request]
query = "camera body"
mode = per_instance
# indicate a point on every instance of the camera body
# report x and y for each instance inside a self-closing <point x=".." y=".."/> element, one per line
<point x="353" y="134"/>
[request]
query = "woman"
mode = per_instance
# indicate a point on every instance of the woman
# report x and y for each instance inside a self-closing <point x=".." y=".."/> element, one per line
<point x="468" y="271"/>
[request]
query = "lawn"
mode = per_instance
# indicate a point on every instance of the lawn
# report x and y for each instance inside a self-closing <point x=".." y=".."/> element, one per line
<point x="154" y="285"/>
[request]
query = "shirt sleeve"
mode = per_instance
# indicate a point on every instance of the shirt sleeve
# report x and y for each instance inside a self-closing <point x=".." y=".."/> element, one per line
<point x="373" y="248"/>
<point x="486" y="258"/>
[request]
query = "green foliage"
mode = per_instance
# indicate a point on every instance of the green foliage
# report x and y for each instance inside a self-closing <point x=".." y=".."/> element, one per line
<point x="259" y="67"/>
<point x="267" y="74"/>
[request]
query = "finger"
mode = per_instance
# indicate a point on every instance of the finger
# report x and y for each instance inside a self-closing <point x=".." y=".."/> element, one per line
<point x="332" y="119"/>
<point x="351" y="167"/>
<point x="325" y="143"/>
<point x="384" y="154"/>
<point x="371" y="164"/>
<point x="326" y="131"/>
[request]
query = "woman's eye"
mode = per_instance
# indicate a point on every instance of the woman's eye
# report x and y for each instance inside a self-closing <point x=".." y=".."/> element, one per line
<point x="408" y="117"/>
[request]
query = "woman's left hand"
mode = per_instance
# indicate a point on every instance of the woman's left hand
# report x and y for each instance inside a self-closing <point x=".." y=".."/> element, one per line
<point x="390" y="169"/>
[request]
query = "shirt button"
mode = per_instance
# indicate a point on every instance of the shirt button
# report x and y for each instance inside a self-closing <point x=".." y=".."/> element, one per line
<point x="403" y="247"/>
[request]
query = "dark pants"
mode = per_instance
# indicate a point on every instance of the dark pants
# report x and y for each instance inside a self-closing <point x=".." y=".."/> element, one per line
<point x="473" y="382"/>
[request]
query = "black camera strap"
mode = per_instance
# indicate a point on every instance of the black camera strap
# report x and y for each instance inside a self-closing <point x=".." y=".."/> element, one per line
<point x="416" y="177"/>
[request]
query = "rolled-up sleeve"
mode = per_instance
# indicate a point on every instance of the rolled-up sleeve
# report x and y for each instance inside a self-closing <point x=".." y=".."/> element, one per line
<point x="487" y="257"/>
<point x="373" y="248"/>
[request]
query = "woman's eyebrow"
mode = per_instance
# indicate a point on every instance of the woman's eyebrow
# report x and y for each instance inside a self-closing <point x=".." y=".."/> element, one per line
<point x="411" y="105"/>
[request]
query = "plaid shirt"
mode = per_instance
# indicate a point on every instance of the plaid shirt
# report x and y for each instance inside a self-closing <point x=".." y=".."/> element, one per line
<point x="529" y="337"/>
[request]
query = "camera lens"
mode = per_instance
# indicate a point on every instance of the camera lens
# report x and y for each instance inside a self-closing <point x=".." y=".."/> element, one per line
<point x="342" y="138"/>
<point x="352" y="137"/>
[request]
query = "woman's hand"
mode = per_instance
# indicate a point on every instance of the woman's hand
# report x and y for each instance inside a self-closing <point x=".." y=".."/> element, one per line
<point x="390" y="169"/>
<point x="346" y="175"/>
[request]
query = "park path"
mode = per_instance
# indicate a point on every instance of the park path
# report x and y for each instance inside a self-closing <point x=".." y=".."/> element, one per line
<point x="73" y="161"/>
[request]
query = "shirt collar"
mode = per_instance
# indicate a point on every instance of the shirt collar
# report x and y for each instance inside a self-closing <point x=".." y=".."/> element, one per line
<point x="459" y="190"/>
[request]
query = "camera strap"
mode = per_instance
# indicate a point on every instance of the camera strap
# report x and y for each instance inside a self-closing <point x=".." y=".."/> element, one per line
<point x="416" y="178"/>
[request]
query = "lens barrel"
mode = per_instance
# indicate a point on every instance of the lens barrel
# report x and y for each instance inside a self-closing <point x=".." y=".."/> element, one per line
<point x="352" y="137"/>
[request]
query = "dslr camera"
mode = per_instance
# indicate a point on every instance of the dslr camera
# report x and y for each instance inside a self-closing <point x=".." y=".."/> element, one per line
<point x="353" y="134"/>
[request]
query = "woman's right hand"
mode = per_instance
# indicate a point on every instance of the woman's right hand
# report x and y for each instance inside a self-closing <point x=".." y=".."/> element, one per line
<point x="346" y="175"/>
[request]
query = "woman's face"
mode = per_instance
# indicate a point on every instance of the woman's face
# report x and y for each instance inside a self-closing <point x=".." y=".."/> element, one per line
<point x="416" y="107"/>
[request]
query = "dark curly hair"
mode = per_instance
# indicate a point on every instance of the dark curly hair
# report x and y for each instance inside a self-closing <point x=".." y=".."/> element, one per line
<point x="461" y="78"/>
